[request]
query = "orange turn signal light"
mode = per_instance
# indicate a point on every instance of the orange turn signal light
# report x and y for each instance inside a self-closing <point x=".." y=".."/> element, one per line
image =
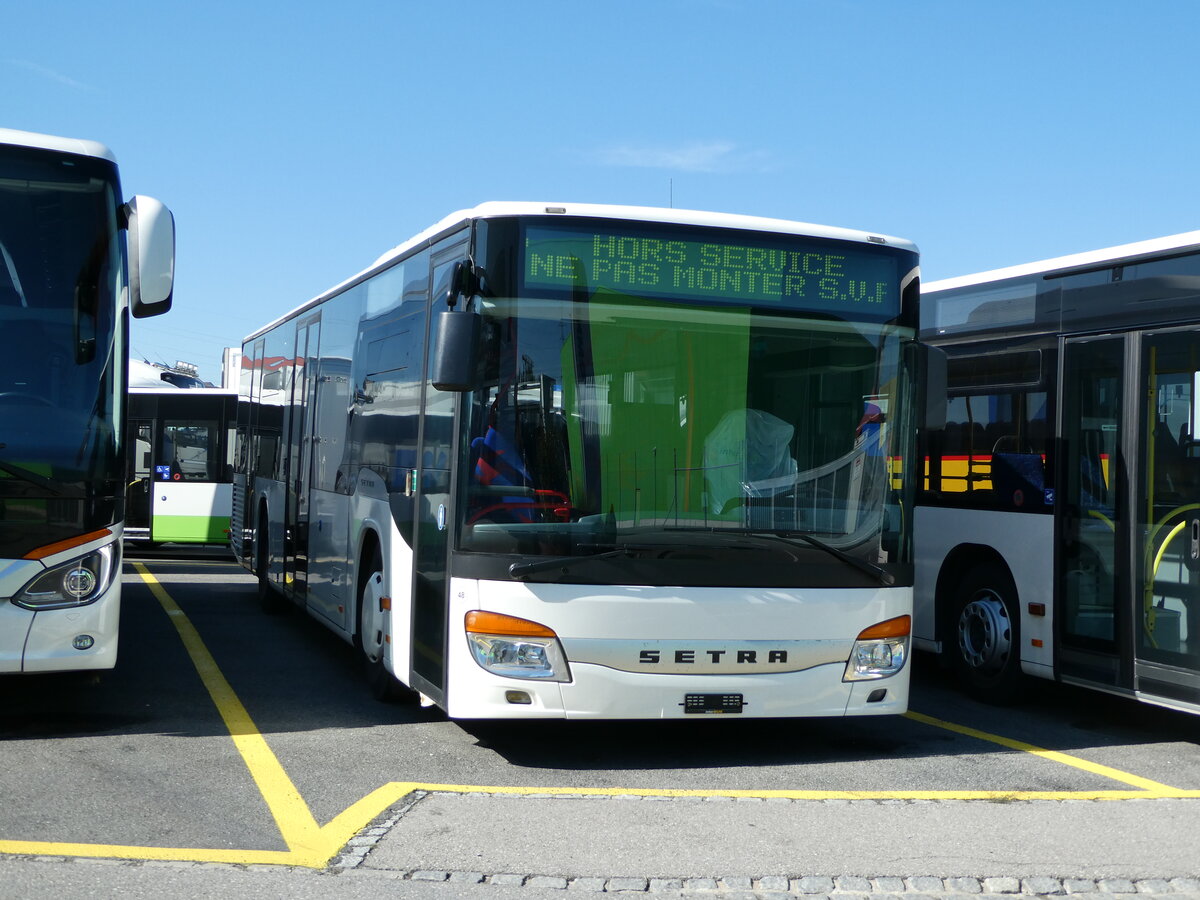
<point x="479" y="621"/>
<point x="60" y="546"/>
<point x="901" y="626"/>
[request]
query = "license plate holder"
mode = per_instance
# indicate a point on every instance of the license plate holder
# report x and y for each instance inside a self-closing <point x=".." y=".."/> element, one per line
<point x="712" y="704"/>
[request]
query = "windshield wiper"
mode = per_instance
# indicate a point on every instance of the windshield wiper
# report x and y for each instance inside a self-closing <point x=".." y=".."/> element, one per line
<point x="884" y="577"/>
<point x="519" y="571"/>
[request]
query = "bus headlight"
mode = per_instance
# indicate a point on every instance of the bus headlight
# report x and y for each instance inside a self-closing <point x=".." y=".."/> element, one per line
<point x="76" y="583"/>
<point x="879" y="651"/>
<point x="515" y="648"/>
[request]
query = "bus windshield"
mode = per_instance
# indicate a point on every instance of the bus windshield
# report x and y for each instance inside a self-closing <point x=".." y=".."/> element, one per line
<point x="663" y="406"/>
<point x="60" y="378"/>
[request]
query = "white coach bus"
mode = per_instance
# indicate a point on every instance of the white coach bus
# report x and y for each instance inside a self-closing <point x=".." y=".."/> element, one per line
<point x="75" y="261"/>
<point x="589" y="461"/>
<point x="1058" y="525"/>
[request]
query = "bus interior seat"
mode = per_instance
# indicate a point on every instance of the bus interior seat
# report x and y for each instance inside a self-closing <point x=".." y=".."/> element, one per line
<point x="1011" y="444"/>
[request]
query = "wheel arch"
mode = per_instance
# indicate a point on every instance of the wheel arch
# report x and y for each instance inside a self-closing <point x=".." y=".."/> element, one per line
<point x="958" y="562"/>
<point x="370" y="546"/>
<point x="262" y="532"/>
<point x="371" y="557"/>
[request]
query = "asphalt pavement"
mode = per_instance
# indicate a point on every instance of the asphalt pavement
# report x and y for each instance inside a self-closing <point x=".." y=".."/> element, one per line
<point x="586" y="837"/>
<point x="531" y="847"/>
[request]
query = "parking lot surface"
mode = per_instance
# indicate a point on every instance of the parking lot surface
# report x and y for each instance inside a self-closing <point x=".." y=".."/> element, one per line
<point x="232" y="744"/>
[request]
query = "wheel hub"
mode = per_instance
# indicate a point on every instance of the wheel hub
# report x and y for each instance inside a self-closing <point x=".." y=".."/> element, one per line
<point x="372" y="618"/>
<point x="985" y="633"/>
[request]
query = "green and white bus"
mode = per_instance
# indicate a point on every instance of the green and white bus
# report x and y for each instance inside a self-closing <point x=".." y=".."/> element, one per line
<point x="179" y="488"/>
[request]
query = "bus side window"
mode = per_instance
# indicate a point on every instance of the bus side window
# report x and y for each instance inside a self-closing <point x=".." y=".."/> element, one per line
<point x="995" y="448"/>
<point x="265" y="462"/>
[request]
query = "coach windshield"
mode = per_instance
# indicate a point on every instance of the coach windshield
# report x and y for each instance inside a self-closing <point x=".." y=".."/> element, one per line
<point x="61" y="376"/>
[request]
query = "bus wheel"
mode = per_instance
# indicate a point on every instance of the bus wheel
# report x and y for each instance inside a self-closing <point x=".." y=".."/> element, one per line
<point x="370" y="638"/>
<point x="987" y="635"/>
<point x="269" y="600"/>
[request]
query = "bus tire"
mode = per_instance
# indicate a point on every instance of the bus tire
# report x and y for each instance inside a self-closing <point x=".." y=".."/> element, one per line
<point x="269" y="600"/>
<point x="985" y="635"/>
<point x="369" y="636"/>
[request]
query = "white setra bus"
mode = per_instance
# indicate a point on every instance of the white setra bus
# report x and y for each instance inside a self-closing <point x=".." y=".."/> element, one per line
<point x="1058" y="525"/>
<point x="595" y="461"/>
<point x="75" y="261"/>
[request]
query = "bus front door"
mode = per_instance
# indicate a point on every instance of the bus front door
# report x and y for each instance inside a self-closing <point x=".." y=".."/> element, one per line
<point x="1092" y="622"/>
<point x="1166" y="601"/>
<point x="138" y="482"/>
<point x="433" y="515"/>
<point x="296" y="551"/>
<point x="1128" y="595"/>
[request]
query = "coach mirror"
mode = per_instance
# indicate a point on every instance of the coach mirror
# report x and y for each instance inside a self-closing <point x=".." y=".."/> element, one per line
<point x="457" y="339"/>
<point x="150" y="228"/>
<point x="932" y="385"/>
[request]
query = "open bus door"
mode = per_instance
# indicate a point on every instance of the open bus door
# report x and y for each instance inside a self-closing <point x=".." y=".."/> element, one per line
<point x="138" y="483"/>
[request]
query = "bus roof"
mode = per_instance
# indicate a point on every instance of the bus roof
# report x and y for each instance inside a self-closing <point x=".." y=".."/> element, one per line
<point x="75" y="146"/>
<point x="499" y="209"/>
<point x="1188" y="240"/>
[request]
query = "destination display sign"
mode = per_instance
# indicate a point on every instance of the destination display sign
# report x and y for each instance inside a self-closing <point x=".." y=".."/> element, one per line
<point x="775" y="271"/>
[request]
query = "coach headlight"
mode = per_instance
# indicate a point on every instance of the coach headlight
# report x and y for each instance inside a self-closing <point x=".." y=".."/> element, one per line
<point x="76" y="583"/>
<point x="879" y="651"/>
<point x="515" y="648"/>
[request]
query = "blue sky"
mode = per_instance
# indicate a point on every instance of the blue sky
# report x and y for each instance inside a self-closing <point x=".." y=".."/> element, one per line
<point x="296" y="142"/>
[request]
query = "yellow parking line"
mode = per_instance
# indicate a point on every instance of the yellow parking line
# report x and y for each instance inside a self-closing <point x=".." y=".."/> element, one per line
<point x="311" y="845"/>
<point x="308" y="844"/>
<point x="291" y="813"/>
<point x="1145" y="784"/>
<point x="764" y="794"/>
<point x="169" y="564"/>
<point x="171" y="854"/>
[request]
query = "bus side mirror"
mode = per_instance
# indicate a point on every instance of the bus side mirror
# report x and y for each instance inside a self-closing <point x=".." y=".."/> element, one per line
<point x="454" y="350"/>
<point x="151" y="238"/>
<point x="932" y="386"/>
<point x="457" y="341"/>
